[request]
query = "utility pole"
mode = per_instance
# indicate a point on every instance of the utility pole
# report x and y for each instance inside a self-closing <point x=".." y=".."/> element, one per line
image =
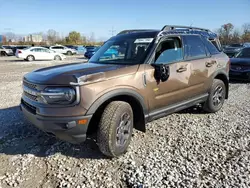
<point x="112" y="31"/>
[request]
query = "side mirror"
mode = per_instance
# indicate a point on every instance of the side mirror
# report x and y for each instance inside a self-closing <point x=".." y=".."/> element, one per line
<point x="161" y="72"/>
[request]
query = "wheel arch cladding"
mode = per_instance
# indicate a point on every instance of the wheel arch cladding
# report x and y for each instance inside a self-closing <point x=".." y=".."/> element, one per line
<point x="224" y="78"/>
<point x="135" y="100"/>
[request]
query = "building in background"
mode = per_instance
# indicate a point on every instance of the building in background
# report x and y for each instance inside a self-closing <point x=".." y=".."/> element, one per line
<point x="2" y="39"/>
<point x="33" y="38"/>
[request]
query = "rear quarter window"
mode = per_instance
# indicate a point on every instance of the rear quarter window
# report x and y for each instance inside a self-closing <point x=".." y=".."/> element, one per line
<point x="212" y="48"/>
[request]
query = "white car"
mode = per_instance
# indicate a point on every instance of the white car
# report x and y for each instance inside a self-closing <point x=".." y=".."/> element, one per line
<point x="5" y="51"/>
<point x="63" y="50"/>
<point x="38" y="53"/>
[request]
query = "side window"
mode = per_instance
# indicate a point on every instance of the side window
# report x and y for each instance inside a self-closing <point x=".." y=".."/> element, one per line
<point x="168" y="51"/>
<point x="210" y="46"/>
<point x="36" y="50"/>
<point x="194" y="47"/>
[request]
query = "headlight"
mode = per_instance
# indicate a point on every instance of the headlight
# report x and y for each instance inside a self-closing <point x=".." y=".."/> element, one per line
<point x="59" y="95"/>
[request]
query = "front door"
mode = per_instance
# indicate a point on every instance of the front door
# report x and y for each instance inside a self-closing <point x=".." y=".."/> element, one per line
<point x="176" y="88"/>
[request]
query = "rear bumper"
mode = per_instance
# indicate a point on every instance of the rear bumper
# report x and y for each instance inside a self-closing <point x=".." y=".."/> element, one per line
<point x="64" y="128"/>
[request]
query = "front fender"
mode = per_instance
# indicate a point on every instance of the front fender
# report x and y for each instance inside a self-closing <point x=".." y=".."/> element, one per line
<point x="116" y="93"/>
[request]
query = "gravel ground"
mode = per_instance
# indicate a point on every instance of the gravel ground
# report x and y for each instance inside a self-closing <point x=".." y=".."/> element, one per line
<point x="186" y="149"/>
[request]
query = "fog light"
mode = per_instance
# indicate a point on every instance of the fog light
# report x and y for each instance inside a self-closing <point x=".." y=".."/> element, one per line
<point x="71" y="124"/>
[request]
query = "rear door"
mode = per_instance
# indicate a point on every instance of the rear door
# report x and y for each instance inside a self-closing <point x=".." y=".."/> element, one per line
<point x="200" y="59"/>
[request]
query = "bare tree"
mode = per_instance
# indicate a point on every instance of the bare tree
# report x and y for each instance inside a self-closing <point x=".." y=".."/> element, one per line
<point x="51" y="36"/>
<point x="235" y="36"/>
<point x="246" y="32"/>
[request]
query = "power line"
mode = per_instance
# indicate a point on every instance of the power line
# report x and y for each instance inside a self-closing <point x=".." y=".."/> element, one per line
<point x="112" y="31"/>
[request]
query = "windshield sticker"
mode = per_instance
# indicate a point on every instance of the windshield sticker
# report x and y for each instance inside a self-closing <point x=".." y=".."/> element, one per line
<point x="144" y="40"/>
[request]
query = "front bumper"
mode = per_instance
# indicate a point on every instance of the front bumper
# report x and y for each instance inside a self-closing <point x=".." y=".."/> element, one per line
<point x="235" y="75"/>
<point x="64" y="128"/>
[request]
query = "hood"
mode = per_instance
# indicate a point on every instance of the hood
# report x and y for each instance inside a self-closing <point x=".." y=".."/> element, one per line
<point x="240" y="61"/>
<point x="65" y="74"/>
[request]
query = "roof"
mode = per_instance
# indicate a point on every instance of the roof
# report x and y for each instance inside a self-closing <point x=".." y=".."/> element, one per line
<point x="173" y="29"/>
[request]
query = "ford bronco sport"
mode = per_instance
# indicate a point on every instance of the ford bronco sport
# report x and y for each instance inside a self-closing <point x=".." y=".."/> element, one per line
<point x="156" y="73"/>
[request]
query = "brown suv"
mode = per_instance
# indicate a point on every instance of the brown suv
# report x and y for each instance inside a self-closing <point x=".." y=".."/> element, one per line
<point x="137" y="76"/>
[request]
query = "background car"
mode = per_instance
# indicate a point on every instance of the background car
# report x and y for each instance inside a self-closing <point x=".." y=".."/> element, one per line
<point x="6" y="51"/>
<point x="240" y="65"/>
<point x="38" y="53"/>
<point x="15" y="48"/>
<point x="63" y="49"/>
<point x="232" y="49"/>
<point x="90" y="51"/>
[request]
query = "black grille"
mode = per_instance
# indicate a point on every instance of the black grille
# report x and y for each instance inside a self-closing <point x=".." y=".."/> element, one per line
<point x="32" y="97"/>
<point x="29" y="107"/>
<point x="29" y="85"/>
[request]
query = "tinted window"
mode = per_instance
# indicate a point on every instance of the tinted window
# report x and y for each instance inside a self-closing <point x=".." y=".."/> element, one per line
<point x="57" y="47"/>
<point x="168" y="51"/>
<point x="36" y="50"/>
<point x="194" y="47"/>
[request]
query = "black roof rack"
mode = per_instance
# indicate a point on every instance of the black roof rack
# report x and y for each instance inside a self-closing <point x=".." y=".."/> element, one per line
<point x="133" y="30"/>
<point x="172" y="27"/>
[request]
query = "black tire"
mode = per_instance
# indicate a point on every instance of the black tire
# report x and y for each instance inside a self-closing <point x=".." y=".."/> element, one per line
<point x="57" y="58"/>
<point x="117" y="116"/>
<point x="69" y="53"/>
<point x="216" y="97"/>
<point x="3" y="53"/>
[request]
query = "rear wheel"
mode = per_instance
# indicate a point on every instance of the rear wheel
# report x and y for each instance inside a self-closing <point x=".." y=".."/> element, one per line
<point x="3" y="53"/>
<point x="30" y="58"/>
<point x="115" y="129"/>
<point x="216" y="97"/>
<point x="57" y="58"/>
<point x="69" y="53"/>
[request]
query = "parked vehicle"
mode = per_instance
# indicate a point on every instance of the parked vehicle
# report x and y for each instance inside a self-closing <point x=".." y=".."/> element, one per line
<point x="159" y="72"/>
<point x="38" y="53"/>
<point x="90" y="52"/>
<point x="71" y="46"/>
<point x="63" y="50"/>
<point x="232" y="49"/>
<point x="15" y="48"/>
<point x="240" y="65"/>
<point x="6" y="51"/>
<point x="80" y="49"/>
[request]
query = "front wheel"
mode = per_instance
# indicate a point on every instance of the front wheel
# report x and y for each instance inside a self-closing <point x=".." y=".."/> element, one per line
<point x="216" y="97"/>
<point x="69" y="53"/>
<point x="115" y="129"/>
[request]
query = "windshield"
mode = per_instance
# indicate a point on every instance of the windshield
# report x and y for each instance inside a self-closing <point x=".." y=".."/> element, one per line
<point x="124" y="50"/>
<point x="244" y="53"/>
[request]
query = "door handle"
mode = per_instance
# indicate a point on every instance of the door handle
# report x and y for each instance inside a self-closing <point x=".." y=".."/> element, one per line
<point x="211" y="63"/>
<point x="181" y="69"/>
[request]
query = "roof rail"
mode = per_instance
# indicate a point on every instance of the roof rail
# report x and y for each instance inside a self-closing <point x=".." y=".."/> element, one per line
<point x="132" y="30"/>
<point x="172" y="27"/>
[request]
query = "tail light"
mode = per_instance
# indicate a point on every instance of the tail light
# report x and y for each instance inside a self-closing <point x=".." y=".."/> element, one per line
<point x="19" y="51"/>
